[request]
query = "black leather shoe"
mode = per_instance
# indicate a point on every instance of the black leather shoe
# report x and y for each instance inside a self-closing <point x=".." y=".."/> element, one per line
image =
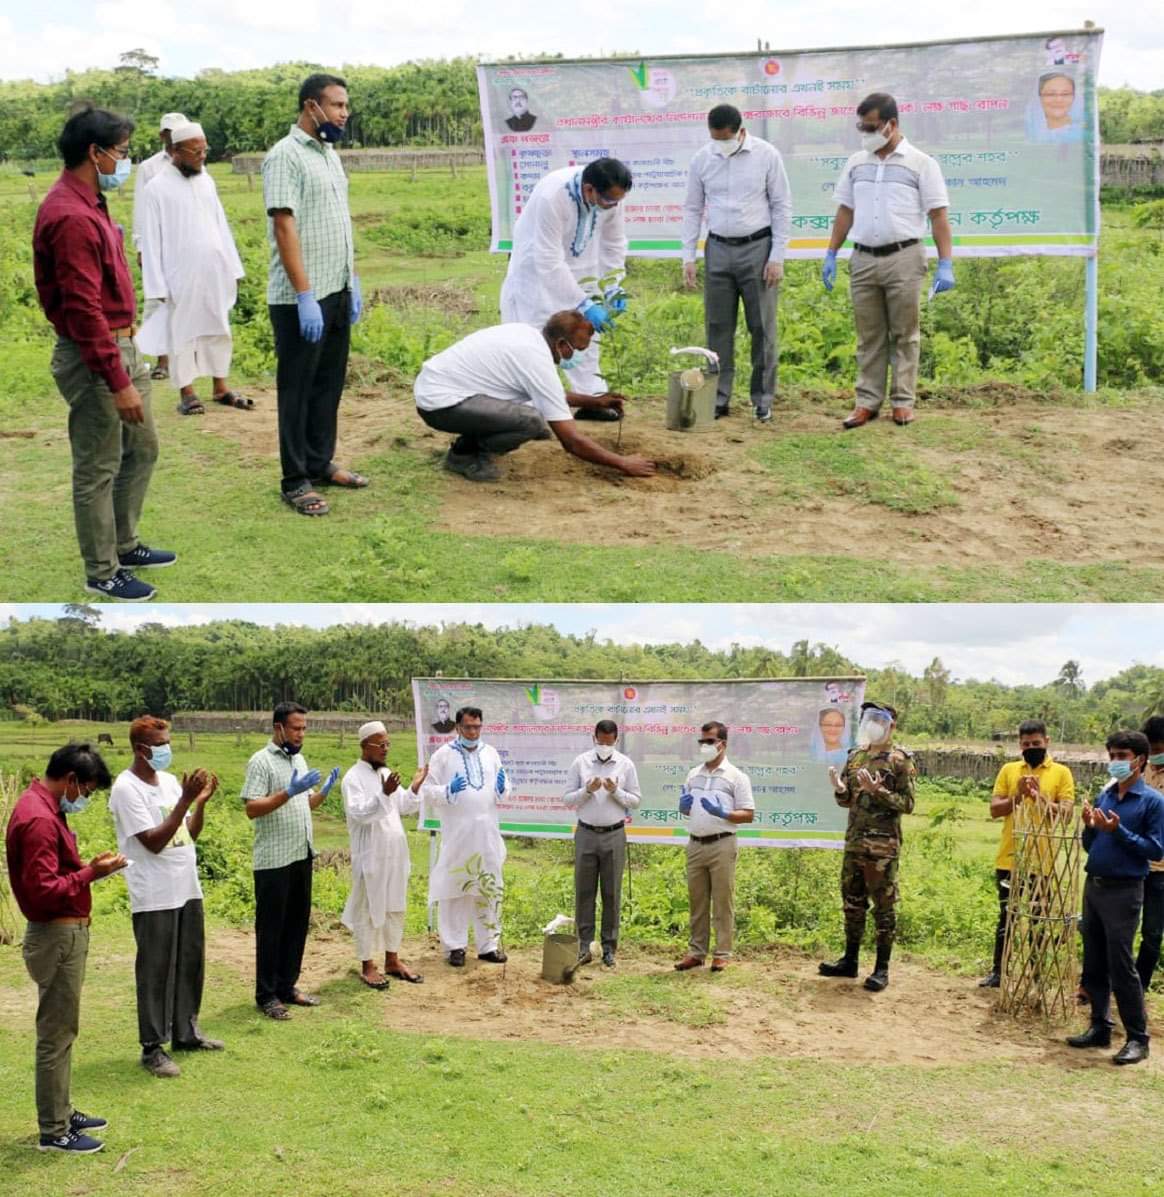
<point x="1132" y="1052"/>
<point x="1094" y="1036"/>
<point x="584" y="957"/>
<point x="720" y="412"/>
<point x="608" y="957"/>
<point x="497" y="957"/>
<point x="990" y="981"/>
<point x="457" y="957"/>
<point x="845" y="967"/>
<point x="877" y="980"/>
<point x="605" y="414"/>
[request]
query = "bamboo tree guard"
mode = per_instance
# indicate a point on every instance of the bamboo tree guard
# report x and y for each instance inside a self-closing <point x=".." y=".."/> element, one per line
<point x="1040" y="959"/>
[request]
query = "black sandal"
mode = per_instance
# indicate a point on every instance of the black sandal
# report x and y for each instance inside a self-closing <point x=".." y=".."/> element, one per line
<point x="190" y="405"/>
<point x="230" y="399"/>
<point x="305" y="500"/>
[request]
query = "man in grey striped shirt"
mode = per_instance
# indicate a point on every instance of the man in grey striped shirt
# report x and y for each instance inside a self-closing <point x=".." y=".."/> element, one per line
<point x="741" y="182"/>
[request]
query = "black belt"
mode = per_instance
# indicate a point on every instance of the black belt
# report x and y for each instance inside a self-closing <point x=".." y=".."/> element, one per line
<point x="601" y="830"/>
<point x="758" y="235"/>
<point x="710" y="839"/>
<point x="883" y="251"/>
<point x="1115" y="882"/>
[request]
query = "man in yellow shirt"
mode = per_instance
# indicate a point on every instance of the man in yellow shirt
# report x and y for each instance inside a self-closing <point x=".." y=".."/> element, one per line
<point x="1036" y="776"/>
<point x="1152" y="920"/>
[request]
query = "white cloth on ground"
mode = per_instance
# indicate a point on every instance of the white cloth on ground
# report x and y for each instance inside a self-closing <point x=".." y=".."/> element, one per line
<point x="189" y="259"/>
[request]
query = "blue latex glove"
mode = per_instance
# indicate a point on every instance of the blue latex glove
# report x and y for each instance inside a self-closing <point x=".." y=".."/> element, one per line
<point x="501" y="782"/>
<point x="299" y="784"/>
<point x="614" y="298"/>
<point x="828" y="272"/>
<point x="944" y="279"/>
<point x="357" y="301"/>
<point x="686" y="798"/>
<point x="310" y="316"/>
<point x="325" y="789"/>
<point x="459" y="783"/>
<point x="713" y="806"/>
<point x="597" y="315"/>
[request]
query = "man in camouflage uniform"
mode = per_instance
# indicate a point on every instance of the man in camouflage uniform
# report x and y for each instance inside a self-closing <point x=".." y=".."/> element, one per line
<point x="876" y="785"/>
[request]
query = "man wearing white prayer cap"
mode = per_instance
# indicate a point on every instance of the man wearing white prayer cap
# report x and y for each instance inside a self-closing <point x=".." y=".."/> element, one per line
<point x="191" y="268"/>
<point x="374" y="800"/>
<point x="146" y="171"/>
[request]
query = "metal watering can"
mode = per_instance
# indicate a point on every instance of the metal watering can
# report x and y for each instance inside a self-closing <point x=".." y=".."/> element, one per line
<point x="691" y="393"/>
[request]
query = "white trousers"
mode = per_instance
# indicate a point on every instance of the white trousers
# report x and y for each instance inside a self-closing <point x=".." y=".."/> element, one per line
<point x="371" y="941"/>
<point x="204" y="357"/>
<point x="454" y="916"/>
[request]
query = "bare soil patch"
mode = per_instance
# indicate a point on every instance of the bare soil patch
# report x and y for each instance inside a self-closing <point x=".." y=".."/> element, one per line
<point x="1031" y="479"/>
<point x="778" y="1006"/>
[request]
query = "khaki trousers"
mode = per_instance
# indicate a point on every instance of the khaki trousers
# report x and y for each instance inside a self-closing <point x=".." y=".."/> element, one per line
<point x="112" y="461"/>
<point x="886" y="295"/>
<point x="55" y="954"/>
<point x="711" y="892"/>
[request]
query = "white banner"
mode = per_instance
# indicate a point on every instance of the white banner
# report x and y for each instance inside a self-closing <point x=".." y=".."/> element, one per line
<point x="784" y="733"/>
<point x="1013" y="121"/>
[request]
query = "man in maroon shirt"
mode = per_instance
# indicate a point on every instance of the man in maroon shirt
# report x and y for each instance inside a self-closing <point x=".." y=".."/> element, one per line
<point x="51" y="885"/>
<point x="86" y="291"/>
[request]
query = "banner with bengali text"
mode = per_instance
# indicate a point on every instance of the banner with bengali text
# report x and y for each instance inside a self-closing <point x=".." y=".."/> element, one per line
<point x="1013" y="121"/>
<point x="784" y="733"/>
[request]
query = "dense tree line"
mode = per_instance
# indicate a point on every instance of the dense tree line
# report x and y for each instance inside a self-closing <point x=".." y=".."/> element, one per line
<point x="428" y="102"/>
<point x="72" y="668"/>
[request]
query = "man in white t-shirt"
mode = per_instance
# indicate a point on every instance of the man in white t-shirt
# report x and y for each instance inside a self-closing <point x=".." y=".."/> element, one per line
<point x="498" y="388"/>
<point x="157" y="819"/>
<point x="715" y="799"/>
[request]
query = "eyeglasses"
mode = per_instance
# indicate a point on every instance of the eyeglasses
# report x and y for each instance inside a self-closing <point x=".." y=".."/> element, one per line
<point x="601" y="202"/>
<point x="116" y="152"/>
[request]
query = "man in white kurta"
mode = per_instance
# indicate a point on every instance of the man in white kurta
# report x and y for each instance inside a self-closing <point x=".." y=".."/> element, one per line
<point x="374" y="801"/>
<point x="191" y="266"/>
<point x="465" y="780"/>
<point x="571" y="228"/>
<point x="146" y="171"/>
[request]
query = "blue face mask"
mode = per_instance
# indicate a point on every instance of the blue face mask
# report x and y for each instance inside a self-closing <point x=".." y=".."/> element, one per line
<point x="161" y="755"/>
<point x="77" y="805"/>
<point x="469" y="745"/>
<point x="121" y="173"/>
<point x="1120" y="770"/>
<point x="329" y="131"/>
<point x="568" y="363"/>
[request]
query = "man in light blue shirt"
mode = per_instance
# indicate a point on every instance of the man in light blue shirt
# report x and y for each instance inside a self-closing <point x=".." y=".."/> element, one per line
<point x="741" y="182"/>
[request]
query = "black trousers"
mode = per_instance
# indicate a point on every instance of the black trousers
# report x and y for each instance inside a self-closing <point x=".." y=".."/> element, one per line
<point x="488" y="425"/>
<point x="310" y="382"/>
<point x="282" y="913"/>
<point x="1111" y="914"/>
<point x="1002" y="881"/>
<point x="170" y="970"/>
<point x="1151" y="928"/>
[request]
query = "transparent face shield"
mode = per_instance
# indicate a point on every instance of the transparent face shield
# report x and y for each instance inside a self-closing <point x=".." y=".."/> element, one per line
<point x="873" y="728"/>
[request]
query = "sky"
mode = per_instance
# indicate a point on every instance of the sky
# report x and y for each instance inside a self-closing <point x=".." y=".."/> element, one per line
<point x="1013" y="643"/>
<point x="43" y="41"/>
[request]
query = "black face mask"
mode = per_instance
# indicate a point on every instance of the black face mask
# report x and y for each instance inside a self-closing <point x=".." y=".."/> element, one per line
<point x="1034" y="756"/>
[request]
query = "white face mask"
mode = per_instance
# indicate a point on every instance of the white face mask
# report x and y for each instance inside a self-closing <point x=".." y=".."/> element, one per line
<point x="871" y="731"/>
<point x="604" y="751"/>
<point x="872" y="142"/>
<point x="725" y="149"/>
<point x="709" y="751"/>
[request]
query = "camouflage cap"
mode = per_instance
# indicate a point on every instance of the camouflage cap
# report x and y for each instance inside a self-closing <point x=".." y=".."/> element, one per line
<point x="880" y="706"/>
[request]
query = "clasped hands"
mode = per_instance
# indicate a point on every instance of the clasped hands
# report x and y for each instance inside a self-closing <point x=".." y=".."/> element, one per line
<point x="609" y="784"/>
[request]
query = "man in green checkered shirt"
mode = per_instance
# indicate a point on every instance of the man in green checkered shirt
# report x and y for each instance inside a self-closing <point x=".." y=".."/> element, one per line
<point x="279" y="793"/>
<point x="313" y="291"/>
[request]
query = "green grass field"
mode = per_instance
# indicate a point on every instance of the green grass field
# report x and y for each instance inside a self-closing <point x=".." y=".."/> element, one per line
<point x="1005" y="441"/>
<point x="638" y="1081"/>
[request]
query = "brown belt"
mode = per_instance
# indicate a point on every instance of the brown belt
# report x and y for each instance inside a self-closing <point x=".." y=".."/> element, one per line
<point x="69" y="922"/>
<point x="124" y="334"/>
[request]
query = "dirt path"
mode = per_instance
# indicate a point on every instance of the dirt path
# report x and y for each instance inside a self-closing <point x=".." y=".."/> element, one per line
<point x="1026" y="477"/>
<point x="776" y="1006"/>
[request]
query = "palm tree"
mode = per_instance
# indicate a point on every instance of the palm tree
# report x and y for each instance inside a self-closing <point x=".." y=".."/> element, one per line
<point x="1071" y="679"/>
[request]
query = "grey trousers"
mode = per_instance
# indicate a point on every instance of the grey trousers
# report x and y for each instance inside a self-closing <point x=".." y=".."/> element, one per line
<point x="170" y="971"/>
<point x="599" y="859"/>
<point x="55" y="955"/>
<point x="112" y="461"/>
<point x="886" y="295"/>
<point x="487" y="425"/>
<point x="711" y="889"/>
<point x="732" y="273"/>
<point x="1111" y="914"/>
